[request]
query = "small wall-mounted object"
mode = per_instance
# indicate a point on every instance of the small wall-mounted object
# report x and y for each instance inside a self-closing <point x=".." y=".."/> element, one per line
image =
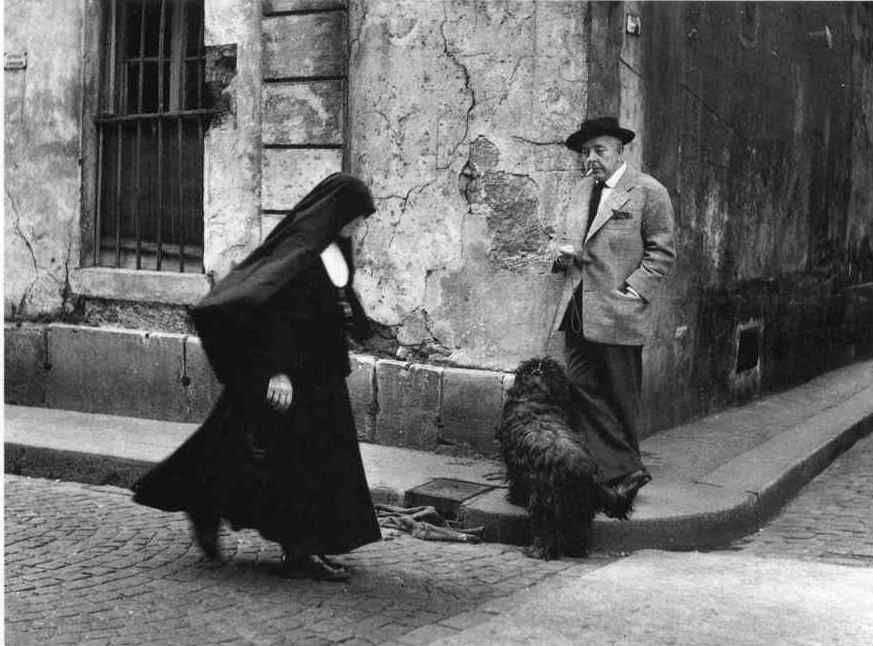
<point x="825" y="35"/>
<point x="14" y="61"/>
<point x="633" y="24"/>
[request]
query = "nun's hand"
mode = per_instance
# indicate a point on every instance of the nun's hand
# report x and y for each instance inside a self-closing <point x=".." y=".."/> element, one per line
<point x="280" y="392"/>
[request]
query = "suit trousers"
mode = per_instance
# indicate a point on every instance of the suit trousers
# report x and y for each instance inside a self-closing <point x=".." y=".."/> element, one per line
<point x="607" y="382"/>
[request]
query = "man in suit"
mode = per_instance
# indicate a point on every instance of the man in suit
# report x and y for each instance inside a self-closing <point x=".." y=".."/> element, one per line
<point x="618" y="249"/>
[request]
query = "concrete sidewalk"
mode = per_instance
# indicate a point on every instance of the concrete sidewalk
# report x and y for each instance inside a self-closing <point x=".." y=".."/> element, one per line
<point x="715" y="479"/>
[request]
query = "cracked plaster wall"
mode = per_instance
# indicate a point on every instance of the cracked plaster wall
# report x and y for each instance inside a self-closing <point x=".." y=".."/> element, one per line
<point x="42" y="147"/>
<point x="462" y="145"/>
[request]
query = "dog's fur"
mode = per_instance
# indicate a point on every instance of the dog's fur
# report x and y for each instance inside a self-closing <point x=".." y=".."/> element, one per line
<point x="548" y="468"/>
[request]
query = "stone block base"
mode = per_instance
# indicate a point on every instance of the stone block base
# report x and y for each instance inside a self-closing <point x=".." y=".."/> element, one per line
<point x="167" y="376"/>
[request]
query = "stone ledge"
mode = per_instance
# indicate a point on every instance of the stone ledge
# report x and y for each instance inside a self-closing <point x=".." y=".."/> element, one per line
<point x="139" y="285"/>
<point x="116" y="371"/>
<point x="166" y="376"/>
<point x="278" y="6"/>
<point x="25" y="352"/>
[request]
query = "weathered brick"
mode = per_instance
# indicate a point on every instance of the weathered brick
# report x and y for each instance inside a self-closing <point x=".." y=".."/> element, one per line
<point x="303" y="113"/>
<point x="409" y="403"/>
<point x="115" y="371"/>
<point x="363" y="394"/>
<point x="288" y="175"/>
<point x="305" y="45"/>
<point x="24" y="361"/>
<point x="202" y="388"/>
<point x="471" y="405"/>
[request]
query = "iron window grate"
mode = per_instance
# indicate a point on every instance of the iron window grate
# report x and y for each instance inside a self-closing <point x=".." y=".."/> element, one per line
<point x="150" y="130"/>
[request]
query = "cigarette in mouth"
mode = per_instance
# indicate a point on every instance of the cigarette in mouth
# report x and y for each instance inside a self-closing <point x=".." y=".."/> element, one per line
<point x="587" y="172"/>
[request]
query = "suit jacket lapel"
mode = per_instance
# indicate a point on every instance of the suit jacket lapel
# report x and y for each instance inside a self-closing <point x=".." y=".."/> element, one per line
<point x="618" y="197"/>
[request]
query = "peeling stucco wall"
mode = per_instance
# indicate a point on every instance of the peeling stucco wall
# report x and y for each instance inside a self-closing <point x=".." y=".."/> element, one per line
<point x="458" y="112"/>
<point x="42" y="146"/>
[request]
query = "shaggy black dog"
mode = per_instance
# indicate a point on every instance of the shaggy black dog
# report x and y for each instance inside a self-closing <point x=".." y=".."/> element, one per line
<point x="548" y="468"/>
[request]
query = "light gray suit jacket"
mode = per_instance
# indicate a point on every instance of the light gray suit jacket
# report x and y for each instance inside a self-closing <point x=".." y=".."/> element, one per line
<point x="630" y="241"/>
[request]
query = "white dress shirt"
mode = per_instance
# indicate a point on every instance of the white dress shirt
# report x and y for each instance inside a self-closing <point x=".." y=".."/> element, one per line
<point x="610" y="183"/>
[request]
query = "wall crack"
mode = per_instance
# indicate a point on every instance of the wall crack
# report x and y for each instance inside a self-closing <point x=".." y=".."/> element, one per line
<point x="533" y="142"/>
<point x="468" y="87"/>
<point x="16" y="223"/>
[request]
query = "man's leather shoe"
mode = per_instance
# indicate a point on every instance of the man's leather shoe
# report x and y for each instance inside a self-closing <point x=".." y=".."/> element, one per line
<point x="613" y="504"/>
<point x="631" y="484"/>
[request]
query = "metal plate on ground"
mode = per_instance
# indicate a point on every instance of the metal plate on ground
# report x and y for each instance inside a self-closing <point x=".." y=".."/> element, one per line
<point x="445" y="494"/>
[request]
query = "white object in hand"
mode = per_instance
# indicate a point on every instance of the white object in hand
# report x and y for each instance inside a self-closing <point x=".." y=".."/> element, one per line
<point x="335" y="264"/>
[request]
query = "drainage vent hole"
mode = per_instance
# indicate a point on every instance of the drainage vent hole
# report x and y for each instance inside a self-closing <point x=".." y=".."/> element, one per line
<point x="747" y="349"/>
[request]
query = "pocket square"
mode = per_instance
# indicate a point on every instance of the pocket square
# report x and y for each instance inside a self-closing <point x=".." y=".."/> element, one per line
<point x="621" y="215"/>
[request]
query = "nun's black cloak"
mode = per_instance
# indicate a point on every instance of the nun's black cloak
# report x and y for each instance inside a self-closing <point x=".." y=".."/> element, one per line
<point x="296" y="477"/>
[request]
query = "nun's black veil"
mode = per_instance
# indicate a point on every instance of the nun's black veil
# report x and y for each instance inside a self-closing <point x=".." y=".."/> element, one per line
<point x="231" y="320"/>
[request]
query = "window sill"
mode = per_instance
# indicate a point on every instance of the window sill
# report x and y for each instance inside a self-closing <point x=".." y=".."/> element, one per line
<point x="139" y="285"/>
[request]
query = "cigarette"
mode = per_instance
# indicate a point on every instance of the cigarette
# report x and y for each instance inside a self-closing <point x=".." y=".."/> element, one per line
<point x="587" y="172"/>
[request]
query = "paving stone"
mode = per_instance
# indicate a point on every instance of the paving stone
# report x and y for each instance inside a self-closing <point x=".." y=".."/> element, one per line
<point x="288" y="175"/>
<point x="471" y="406"/>
<point x="108" y="370"/>
<point x="304" y="45"/>
<point x="24" y="358"/>
<point x="361" y="383"/>
<point x="466" y="619"/>
<point x="202" y="388"/>
<point x="409" y="404"/>
<point x="303" y="113"/>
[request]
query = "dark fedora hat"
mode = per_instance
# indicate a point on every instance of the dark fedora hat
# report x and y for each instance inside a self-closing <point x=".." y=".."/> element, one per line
<point x="591" y="128"/>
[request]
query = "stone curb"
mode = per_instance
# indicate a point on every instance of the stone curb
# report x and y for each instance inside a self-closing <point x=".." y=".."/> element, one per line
<point x="57" y="464"/>
<point x="727" y="511"/>
<point x="750" y="494"/>
<point x="100" y="469"/>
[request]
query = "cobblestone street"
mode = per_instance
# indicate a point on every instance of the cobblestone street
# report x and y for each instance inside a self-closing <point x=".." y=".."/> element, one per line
<point x="86" y="566"/>
<point x="830" y="520"/>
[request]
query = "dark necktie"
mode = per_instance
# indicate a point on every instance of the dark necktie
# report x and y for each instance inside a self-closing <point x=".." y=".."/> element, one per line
<point x="573" y="316"/>
<point x="594" y="202"/>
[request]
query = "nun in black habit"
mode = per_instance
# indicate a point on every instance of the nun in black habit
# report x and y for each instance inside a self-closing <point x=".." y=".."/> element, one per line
<point x="279" y="451"/>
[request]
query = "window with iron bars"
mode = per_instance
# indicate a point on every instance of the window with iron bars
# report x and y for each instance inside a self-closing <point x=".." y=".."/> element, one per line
<point x="150" y="125"/>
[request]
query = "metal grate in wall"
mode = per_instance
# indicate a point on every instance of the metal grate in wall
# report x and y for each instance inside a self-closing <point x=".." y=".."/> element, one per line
<point x="149" y="211"/>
